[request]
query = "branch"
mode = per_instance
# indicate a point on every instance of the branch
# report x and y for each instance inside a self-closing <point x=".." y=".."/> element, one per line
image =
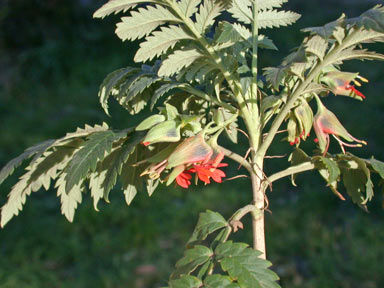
<point x="306" y="166"/>
<point x="237" y="158"/>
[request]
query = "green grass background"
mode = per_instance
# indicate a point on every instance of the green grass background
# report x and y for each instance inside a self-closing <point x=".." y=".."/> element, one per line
<point x="53" y="56"/>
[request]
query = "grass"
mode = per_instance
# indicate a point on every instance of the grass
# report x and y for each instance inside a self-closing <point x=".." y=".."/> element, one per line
<point x="50" y="87"/>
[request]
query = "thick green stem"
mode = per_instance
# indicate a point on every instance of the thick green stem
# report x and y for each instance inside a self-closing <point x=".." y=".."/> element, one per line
<point x="255" y="35"/>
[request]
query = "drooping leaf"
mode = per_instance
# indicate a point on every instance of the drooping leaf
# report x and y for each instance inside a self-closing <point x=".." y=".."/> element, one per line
<point x="39" y="175"/>
<point x="186" y="281"/>
<point x="272" y="18"/>
<point x="275" y="75"/>
<point x="159" y="42"/>
<point x="162" y="90"/>
<point x="208" y="11"/>
<point x="193" y="258"/>
<point x="208" y="223"/>
<point x="130" y="178"/>
<point x="37" y="150"/>
<point x="167" y="131"/>
<point x="333" y="171"/>
<point x="178" y="60"/>
<point x="360" y="54"/>
<point x="327" y="30"/>
<point x="373" y="19"/>
<point x="86" y="158"/>
<point x="150" y="122"/>
<point x="83" y="132"/>
<point x="116" y="6"/>
<point x="216" y="281"/>
<point x="109" y="85"/>
<point x="298" y="157"/>
<point x="69" y="199"/>
<point x="188" y="7"/>
<point x="378" y="166"/>
<point x="152" y="185"/>
<point x="143" y="22"/>
<point x="243" y="264"/>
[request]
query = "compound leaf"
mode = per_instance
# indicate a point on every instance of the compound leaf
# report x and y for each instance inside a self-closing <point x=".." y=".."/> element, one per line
<point x="116" y="6"/>
<point x="208" y="11"/>
<point x="272" y="18"/>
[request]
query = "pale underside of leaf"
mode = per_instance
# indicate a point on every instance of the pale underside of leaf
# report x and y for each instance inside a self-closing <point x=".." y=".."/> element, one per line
<point x="143" y="22"/>
<point x="178" y="60"/>
<point x="69" y="200"/>
<point x="116" y="6"/>
<point x="159" y="42"/>
<point x="269" y="4"/>
<point x="241" y="11"/>
<point x="208" y="11"/>
<point x="271" y="18"/>
<point x="317" y="46"/>
<point x="188" y="7"/>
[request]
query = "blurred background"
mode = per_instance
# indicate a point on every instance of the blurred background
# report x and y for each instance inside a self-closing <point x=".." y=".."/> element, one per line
<point x="53" y="57"/>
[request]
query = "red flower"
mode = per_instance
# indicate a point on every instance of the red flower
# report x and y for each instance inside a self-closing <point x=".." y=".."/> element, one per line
<point x="207" y="171"/>
<point x="183" y="179"/>
<point x="345" y="86"/>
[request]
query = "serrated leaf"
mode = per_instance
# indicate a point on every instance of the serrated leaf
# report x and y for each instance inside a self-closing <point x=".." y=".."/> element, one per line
<point x="275" y="75"/>
<point x="37" y="150"/>
<point x="116" y="6"/>
<point x="317" y="46"/>
<point x="152" y="185"/>
<point x="193" y="258"/>
<point x="83" y="132"/>
<point x="241" y="11"/>
<point x="360" y="54"/>
<point x="208" y="223"/>
<point x="178" y="60"/>
<point x="186" y="282"/>
<point x="269" y="4"/>
<point x="378" y="166"/>
<point x="69" y="199"/>
<point x="188" y="7"/>
<point x="373" y="19"/>
<point x="39" y="175"/>
<point x="272" y="18"/>
<point x="219" y="281"/>
<point x="327" y="30"/>
<point x="159" y="42"/>
<point x="109" y="84"/>
<point x="163" y="90"/>
<point x="130" y="177"/>
<point x="208" y="11"/>
<point x="86" y="158"/>
<point x="243" y="264"/>
<point x="143" y="22"/>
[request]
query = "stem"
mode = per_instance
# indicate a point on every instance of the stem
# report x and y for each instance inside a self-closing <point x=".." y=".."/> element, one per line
<point x="255" y="32"/>
<point x="237" y="158"/>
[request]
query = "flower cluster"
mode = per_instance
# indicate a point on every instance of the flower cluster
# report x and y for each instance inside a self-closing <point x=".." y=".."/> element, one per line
<point x="193" y="155"/>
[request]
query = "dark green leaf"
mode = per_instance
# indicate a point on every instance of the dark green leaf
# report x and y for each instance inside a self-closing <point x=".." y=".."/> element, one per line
<point x="372" y="19"/>
<point x="186" y="282"/>
<point x="14" y="163"/>
<point x="208" y="223"/>
<point x="378" y="166"/>
<point x="219" y="281"/>
<point x="243" y="264"/>
<point x="193" y="258"/>
<point x="86" y="158"/>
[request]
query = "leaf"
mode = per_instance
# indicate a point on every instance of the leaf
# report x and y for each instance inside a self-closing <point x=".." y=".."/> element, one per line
<point x="271" y="18"/>
<point x="373" y="19"/>
<point x="241" y="11"/>
<point x="208" y="11"/>
<point x="178" y="60"/>
<point x="116" y="6"/>
<point x="39" y="175"/>
<point x="162" y="90"/>
<point x="333" y="171"/>
<point x="378" y="166"/>
<point x="360" y="54"/>
<point x="167" y="131"/>
<point x="219" y="281"/>
<point x="143" y="22"/>
<point x="188" y="7"/>
<point x="327" y="30"/>
<point x="159" y="42"/>
<point x="269" y="4"/>
<point x="152" y="185"/>
<point x="275" y="75"/>
<point x="130" y="192"/>
<point x="317" y="46"/>
<point x="186" y="282"/>
<point x="86" y="158"/>
<point x="208" y="223"/>
<point x="82" y="132"/>
<point x="243" y="264"/>
<point x="297" y="157"/>
<point x="109" y="84"/>
<point x="193" y="258"/>
<point x="69" y="200"/>
<point x="10" y="167"/>
<point x="130" y="177"/>
<point x="150" y="122"/>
